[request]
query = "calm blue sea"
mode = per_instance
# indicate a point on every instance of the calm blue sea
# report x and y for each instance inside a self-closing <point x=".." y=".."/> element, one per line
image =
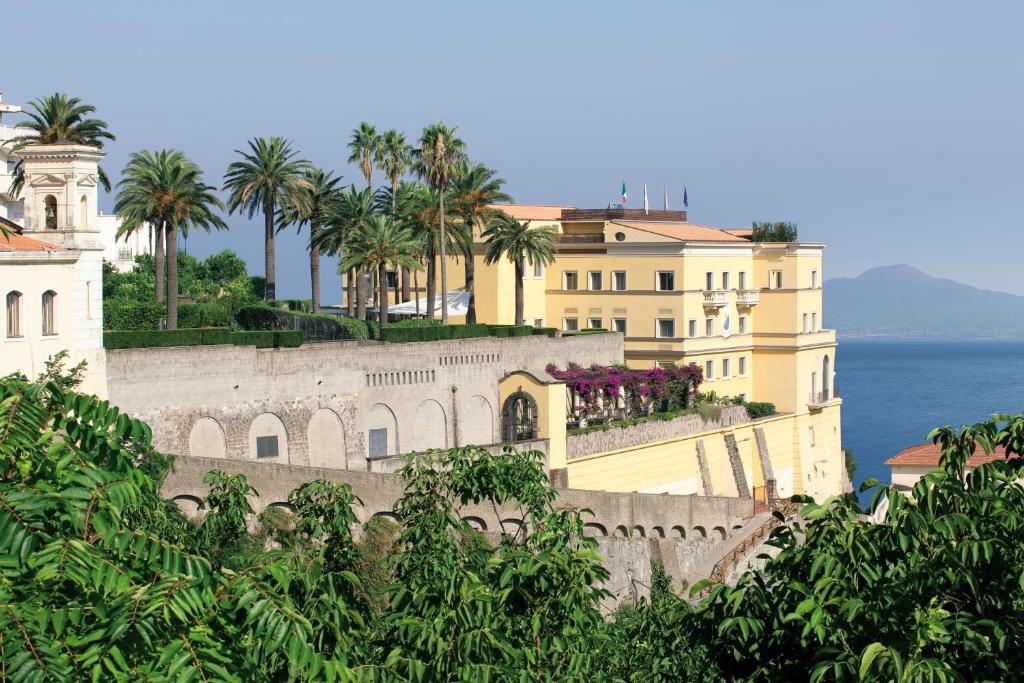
<point x="894" y="393"/>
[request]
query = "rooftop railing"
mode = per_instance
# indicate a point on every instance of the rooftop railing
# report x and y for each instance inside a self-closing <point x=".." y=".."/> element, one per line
<point x="581" y="239"/>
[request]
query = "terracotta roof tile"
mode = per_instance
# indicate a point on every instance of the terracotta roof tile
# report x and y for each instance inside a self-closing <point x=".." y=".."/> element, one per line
<point x="928" y="454"/>
<point x="533" y="212"/>
<point x="15" y="241"/>
<point x="685" y="232"/>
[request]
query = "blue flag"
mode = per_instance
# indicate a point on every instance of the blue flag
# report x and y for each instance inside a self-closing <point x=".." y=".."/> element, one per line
<point x="686" y="199"/>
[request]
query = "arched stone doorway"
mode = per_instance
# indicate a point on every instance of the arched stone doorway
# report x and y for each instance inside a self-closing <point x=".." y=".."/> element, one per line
<point x="326" y="440"/>
<point x="519" y="418"/>
<point x="206" y="440"/>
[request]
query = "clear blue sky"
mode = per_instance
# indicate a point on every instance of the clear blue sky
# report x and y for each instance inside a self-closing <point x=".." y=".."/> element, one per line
<point x="890" y="130"/>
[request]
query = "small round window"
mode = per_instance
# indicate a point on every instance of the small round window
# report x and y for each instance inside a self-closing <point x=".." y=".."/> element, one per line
<point x="620" y="237"/>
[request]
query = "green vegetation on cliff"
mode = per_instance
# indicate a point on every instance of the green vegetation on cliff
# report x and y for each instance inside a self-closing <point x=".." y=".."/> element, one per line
<point x="101" y="579"/>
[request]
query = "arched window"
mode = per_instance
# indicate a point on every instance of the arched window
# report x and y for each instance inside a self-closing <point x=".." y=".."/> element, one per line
<point x="825" y="373"/>
<point x="519" y="418"/>
<point x="50" y="312"/>
<point x="50" y="212"/>
<point x="14" y="314"/>
<point x="83" y="211"/>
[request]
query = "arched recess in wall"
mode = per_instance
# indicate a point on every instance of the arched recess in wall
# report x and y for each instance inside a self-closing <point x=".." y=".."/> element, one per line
<point x="190" y="505"/>
<point x="381" y="432"/>
<point x="268" y="439"/>
<point x="206" y="440"/>
<point x="430" y="430"/>
<point x="50" y="212"/>
<point x="326" y="440"/>
<point x="83" y="212"/>
<point x="477" y="422"/>
<point x="519" y="418"/>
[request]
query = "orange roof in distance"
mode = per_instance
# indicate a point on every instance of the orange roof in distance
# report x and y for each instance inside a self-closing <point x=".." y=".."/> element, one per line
<point x="16" y="242"/>
<point x="532" y="212"/>
<point x="685" y="232"/>
<point x="928" y="455"/>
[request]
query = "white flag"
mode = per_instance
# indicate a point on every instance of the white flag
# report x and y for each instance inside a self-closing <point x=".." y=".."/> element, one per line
<point x="647" y="206"/>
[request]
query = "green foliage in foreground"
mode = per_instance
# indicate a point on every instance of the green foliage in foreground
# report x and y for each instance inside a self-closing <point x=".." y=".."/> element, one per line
<point x="100" y="579"/>
<point x="777" y="231"/>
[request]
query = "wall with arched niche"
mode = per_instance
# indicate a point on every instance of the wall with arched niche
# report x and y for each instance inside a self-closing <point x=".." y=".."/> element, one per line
<point x="206" y="440"/>
<point x="326" y="437"/>
<point x="381" y="431"/>
<point x="268" y="439"/>
<point x="477" y="422"/>
<point x="430" y="430"/>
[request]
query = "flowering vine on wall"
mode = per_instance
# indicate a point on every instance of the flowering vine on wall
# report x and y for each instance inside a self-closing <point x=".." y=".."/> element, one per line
<point x="606" y="393"/>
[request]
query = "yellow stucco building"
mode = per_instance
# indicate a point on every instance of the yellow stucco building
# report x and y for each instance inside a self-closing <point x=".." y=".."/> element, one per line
<point x="748" y="313"/>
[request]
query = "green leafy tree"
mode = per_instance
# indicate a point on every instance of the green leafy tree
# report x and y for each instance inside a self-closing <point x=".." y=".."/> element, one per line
<point x="515" y="240"/>
<point x="381" y="242"/>
<point x="54" y="119"/>
<point x="319" y="204"/>
<point x="436" y="161"/>
<point x="475" y="189"/>
<point x="778" y="231"/>
<point x="268" y="176"/>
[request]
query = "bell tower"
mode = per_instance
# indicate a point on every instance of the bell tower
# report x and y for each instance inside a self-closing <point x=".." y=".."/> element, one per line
<point x="60" y="193"/>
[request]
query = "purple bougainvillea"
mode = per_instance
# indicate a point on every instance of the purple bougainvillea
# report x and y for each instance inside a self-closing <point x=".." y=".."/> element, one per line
<point x="607" y="393"/>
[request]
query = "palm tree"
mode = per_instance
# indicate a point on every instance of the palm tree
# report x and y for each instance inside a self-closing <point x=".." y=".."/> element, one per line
<point x="436" y="161"/>
<point x="475" y="189"/>
<point x="346" y="216"/>
<point x="380" y="242"/>
<point x="418" y="209"/>
<point x="321" y="203"/>
<point x="166" y="189"/>
<point x="268" y="176"/>
<point x="364" y="148"/>
<point x="505" y="236"/>
<point x="59" y="118"/>
<point x="396" y="158"/>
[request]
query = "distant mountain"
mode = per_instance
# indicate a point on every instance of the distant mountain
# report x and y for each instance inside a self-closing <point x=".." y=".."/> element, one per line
<point x="902" y="302"/>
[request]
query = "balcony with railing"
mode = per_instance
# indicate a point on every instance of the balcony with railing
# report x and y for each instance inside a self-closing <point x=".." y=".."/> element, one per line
<point x="748" y="297"/>
<point x="820" y="399"/>
<point x="582" y="238"/>
<point x="716" y="298"/>
<point x="125" y="254"/>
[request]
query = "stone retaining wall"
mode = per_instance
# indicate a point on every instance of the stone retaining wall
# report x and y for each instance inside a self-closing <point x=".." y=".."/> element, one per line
<point x="618" y="438"/>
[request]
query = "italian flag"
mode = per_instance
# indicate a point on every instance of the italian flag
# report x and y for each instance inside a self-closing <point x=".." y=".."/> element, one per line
<point x="625" y="197"/>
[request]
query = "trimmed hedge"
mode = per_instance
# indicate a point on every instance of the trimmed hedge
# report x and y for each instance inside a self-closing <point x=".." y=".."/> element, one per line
<point x="256" y="318"/>
<point x="132" y="314"/>
<point x="137" y="339"/>
<point x="261" y="339"/>
<point x="547" y="331"/>
<point x="433" y="332"/>
<point x="589" y="330"/>
<point x="511" y="330"/>
<point x="759" y="409"/>
<point x="288" y="339"/>
<point x="267" y="318"/>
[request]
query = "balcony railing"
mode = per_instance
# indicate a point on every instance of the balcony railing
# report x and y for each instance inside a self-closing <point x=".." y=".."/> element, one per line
<point x="820" y="398"/>
<point x="715" y="297"/>
<point x="124" y="254"/>
<point x="581" y="239"/>
<point x="748" y="297"/>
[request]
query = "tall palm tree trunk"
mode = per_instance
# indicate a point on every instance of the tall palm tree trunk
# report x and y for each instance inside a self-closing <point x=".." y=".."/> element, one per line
<point x="351" y="298"/>
<point x="519" y="291"/>
<point x="416" y="288"/>
<point x="172" y="276"/>
<point x="470" y="272"/>
<point x="362" y="283"/>
<point x="268" y="238"/>
<point x="431" y="282"/>
<point x="405" y="271"/>
<point x="382" y="276"/>
<point x="444" y="260"/>
<point x="314" y="266"/>
<point x="158" y="263"/>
